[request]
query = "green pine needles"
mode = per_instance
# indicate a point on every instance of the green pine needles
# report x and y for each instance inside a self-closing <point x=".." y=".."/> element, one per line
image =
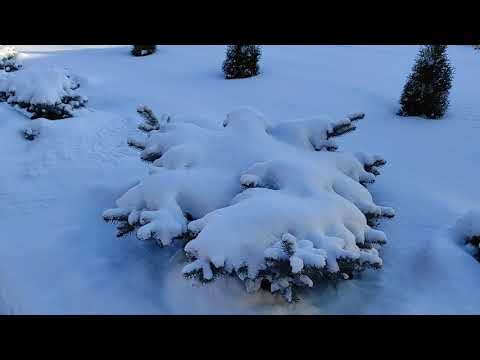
<point x="241" y="61"/>
<point x="427" y="89"/>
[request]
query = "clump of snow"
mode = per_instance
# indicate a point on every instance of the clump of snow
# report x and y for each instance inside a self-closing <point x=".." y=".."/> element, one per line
<point x="9" y="59"/>
<point x="298" y="253"/>
<point x="235" y="192"/>
<point x="49" y="93"/>
<point x="468" y="229"/>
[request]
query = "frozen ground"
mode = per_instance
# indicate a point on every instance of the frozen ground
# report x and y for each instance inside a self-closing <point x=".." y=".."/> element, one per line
<point x="58" y="256"/>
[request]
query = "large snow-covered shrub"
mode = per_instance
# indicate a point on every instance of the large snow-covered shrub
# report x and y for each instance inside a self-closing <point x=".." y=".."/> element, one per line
<point x="273" y="204"/>
<point x="9" y="59"/>
<point x="42" y="93"/>
<point x="468" y="229"/>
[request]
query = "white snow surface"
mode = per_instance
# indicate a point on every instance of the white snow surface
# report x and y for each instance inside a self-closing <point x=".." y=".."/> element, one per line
<point x="58" y="256"/>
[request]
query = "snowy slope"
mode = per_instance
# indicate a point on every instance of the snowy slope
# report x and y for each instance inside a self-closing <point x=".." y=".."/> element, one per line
<point x="58" y="256"/>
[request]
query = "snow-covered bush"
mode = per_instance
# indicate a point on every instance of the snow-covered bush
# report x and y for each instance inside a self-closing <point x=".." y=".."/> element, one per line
<point x="34" y="128"/>
<point x="143" y="50"/>
<point x="42" y="93"/>
<point x="241" y="61"/>
<point x="273" y="204"/>
<point x="9" y="59"/>
<point x="30" y="133"/>
<point x="468" y="228"/>
<point x="428" y="86"/>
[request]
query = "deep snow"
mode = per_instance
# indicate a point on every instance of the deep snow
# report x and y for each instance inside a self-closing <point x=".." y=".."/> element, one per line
<point x="58" y="256"/>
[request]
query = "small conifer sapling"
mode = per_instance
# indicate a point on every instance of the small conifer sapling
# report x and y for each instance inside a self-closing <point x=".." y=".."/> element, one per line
<point x="241" y="61"/>
<point x="143" y="50"/>
<point x="428" y="86"/>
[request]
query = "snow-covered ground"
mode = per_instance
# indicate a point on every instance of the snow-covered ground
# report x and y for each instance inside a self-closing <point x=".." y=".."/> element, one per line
<point x="58" y="256"/>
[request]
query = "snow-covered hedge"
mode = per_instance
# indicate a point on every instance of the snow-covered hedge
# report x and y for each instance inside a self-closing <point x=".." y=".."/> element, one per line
<point x="274" y="205"/>
<point x="9" y="59"/>
<point x="42" y="93"/>
<point x="468" y="228"/>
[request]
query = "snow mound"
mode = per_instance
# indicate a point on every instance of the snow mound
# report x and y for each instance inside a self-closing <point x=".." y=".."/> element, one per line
<point x="468" y="229"/>
<point x="9" y="59"/>
<point x="237" y="193"/>
<point x="40" y="92"/>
